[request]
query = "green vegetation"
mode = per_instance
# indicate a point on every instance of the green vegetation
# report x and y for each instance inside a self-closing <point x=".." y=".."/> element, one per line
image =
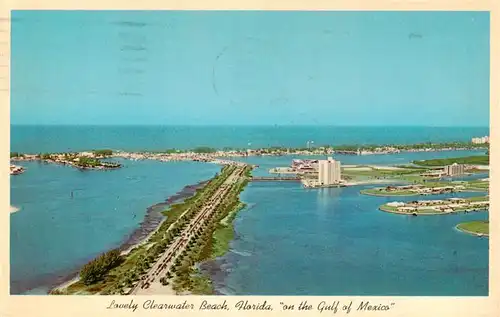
<point x="95" y="270"/>
<point x="89" y="162"/>
<point x="404" y="147"/>
<point x="204" y="149"/>
<point x="16" y="154"/>
<point x="224" y="233"/>
<point x="382" y="191"/>
<point x="103" y="153"/>
<point x="45" y="156"/>
<point x="407" y="175"/>
<point x="211" y="243"/>
<point x="470" y="186"/>
<point x="472" y="160"/>
<point x="478" y="185"/>
<point x="475" y="227"/>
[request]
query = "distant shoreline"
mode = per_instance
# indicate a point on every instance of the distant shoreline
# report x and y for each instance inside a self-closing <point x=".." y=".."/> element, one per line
<point x="212" y="155"/>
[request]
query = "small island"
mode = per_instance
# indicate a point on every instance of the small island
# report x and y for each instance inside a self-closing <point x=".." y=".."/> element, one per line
<point x="478" y="228"/>
<point x="82" y="160"/>
<point x="429" y="188"/>
<point x="437" y="207"/>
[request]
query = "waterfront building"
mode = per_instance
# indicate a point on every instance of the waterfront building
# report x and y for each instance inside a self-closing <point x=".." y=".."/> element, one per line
<point x="329" y="172"/>
<point x="454" y="169"/>
<point x="481" y="140"/>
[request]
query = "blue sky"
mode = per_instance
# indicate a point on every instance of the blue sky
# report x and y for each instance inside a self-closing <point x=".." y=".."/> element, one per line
<point x="250" y="68"/>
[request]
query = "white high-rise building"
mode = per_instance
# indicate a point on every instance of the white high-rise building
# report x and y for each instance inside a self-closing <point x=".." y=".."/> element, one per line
<point x="329" y="171"/>
<point x="481" y="140"/>
<point x="454" y="169"/>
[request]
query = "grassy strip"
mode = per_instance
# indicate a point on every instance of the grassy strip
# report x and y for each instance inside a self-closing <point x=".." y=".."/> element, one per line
<point x="475" y="227"/>
<point x="224" y="233"/>
<point x="382" y="192"/>
<point x="473" y="160"/>
<point x="213" y="242"/>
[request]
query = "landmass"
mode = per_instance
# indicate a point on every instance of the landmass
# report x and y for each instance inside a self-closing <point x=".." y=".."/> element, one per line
<point x="429" y="188"/>
<point x="478" y="228"/>
<point x="477" y="161"/>
<point x="438" y="207"/>
<point x="80" y="160"/>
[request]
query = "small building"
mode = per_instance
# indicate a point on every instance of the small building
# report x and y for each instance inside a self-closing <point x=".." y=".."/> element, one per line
<point x="395" y="204"/>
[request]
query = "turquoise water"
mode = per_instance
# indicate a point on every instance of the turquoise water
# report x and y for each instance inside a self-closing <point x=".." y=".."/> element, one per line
<point x="54" y="233"/>
<point x="292" y="241"/>
<point x="34" y="139"/>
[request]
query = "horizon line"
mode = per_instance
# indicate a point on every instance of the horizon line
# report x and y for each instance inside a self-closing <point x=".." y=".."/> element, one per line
<point x="241" y="125"/>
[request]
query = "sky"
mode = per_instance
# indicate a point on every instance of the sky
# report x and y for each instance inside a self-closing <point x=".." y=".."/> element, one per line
<point x="250" y="68"/>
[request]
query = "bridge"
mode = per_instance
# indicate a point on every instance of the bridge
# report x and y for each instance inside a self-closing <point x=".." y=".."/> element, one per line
<point x="275" y="178"/>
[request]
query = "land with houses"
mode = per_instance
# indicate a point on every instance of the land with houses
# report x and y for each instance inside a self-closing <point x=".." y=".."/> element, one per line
<point x="429" y="188"/>
<point x="438" y="207"/>
<point x="81" y="160"/>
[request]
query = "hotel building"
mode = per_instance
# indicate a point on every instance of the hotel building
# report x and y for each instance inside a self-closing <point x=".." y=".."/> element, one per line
<point x="481" y="140"/>
<point x="454" y="169"/>
<point x="328" y="172"/>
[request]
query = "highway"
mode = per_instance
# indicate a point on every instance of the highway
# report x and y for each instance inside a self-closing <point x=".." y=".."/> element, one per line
<point x="151" y="280"/>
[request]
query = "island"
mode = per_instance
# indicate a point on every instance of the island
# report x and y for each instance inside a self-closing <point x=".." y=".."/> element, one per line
<point x="429" y="188"/>
<point x="478" y="228"/>
<point x="80" y="160"/>
<point x="437" y="207"/>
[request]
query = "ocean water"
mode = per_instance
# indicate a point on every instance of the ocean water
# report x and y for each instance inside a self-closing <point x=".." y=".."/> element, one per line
<point x="292" y="241"/>
<point x="35" y="139"/>
<point x="55" y="231"/>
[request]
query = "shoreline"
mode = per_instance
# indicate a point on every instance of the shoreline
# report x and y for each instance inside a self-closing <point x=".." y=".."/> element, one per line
<point x="382" y="208"/>
<point x="460" y="228"/>
<point x="141" y="234"/>
<point x="477" y="234"/>
<point x="215" y="154"/>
